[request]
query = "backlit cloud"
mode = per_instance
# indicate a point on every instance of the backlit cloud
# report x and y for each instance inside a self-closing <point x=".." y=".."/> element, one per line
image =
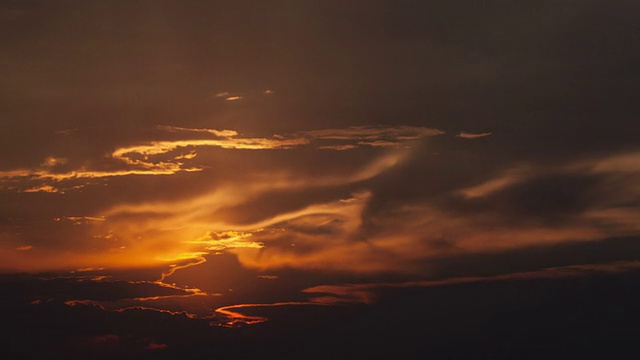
<point x="220" y="241"/>
<point x="334" y="231"/>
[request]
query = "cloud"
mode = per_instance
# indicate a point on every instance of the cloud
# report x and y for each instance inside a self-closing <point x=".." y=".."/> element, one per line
<point x="468" y="135"/>
<point x="78" y="220"/>
<point x="187" y="259"/>
<point x="337" y="147"/>
<point x="378" y="200"/>
<point x="367" y="293"/>
<point x="161" y="168"/>
<point x="627" y="162"/>
<point x="227" y="317"/>
<point x="373" y="133"/>
<point x="219" y="241"/>
<point x="161" y="147"/>
<point x="220" y="133"/>
<point x="357" y="211"/>
<point x="43" y="188"/>
<point x="146" y="159"/>
<point x="156" y="346"/>
<point x="341" y="139"/>
<point x="378" y="143"/>
<point x="97" y="289"/>
<point x="508" y="178"/>
<point x="161" y="157"/>
<point x="519" y="207"/>
<point x="52" y="161"/>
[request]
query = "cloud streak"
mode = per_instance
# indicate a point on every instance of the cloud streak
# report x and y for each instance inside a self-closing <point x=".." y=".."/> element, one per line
<point x="367" y="293"/>
<point x="468" y="135"/>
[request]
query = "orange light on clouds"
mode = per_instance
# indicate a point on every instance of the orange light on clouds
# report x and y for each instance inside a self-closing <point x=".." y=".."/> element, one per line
<point x="181" y="232"/>
<point x="43" y="188"/>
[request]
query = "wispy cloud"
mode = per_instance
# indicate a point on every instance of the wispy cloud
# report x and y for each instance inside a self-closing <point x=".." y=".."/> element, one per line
<point x="234" y="96"/>
<point x="227" y="316"/>
<point x="152" y="158"/>
<point x="219" y="241"/>
<point x="337" y="147"/>
<point x="161" y="147"/>
<point x="192" y="259"/>
<point x="221" y="133"/>
<point x="367" y="293"/>
<point x="79" y="220"/>
<point x="42" y="188"/>
<point x="373" y="133"/>
<point x="497" y="183"/>
<point x="468" y="135"/>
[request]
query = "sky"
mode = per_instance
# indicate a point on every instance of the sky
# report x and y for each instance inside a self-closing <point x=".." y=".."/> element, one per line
<point x="338" y="173"/>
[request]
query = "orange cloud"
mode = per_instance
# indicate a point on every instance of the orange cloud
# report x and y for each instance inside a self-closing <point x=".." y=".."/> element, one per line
<point x="78" y="220"/>
<point x="337" y="147"/>
<point x="225" y="317"/>
<point x="500" y="182"/>
<point x="219" y="241"/>
<point x="153" y="158"/>
<point x="468" y="135"/>
<point x="378" y="143"/>
<point x="42" y="188"/>
<point x="329" y="233"/>
<point x="221" y="133"/>
<point x="194" y="258"/>
<point x="161" y="147"/>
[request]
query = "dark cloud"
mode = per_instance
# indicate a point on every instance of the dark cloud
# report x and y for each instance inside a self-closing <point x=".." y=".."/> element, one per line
<point x="550" y="199"/>
<point x="61" y="289"/>
<point x="507" y="317"/>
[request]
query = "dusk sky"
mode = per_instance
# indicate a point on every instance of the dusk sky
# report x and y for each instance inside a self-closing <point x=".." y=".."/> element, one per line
<point x="413" y="179"/>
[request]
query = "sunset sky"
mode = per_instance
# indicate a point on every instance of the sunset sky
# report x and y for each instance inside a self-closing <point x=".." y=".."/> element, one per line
<point x="221" y="166"/>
